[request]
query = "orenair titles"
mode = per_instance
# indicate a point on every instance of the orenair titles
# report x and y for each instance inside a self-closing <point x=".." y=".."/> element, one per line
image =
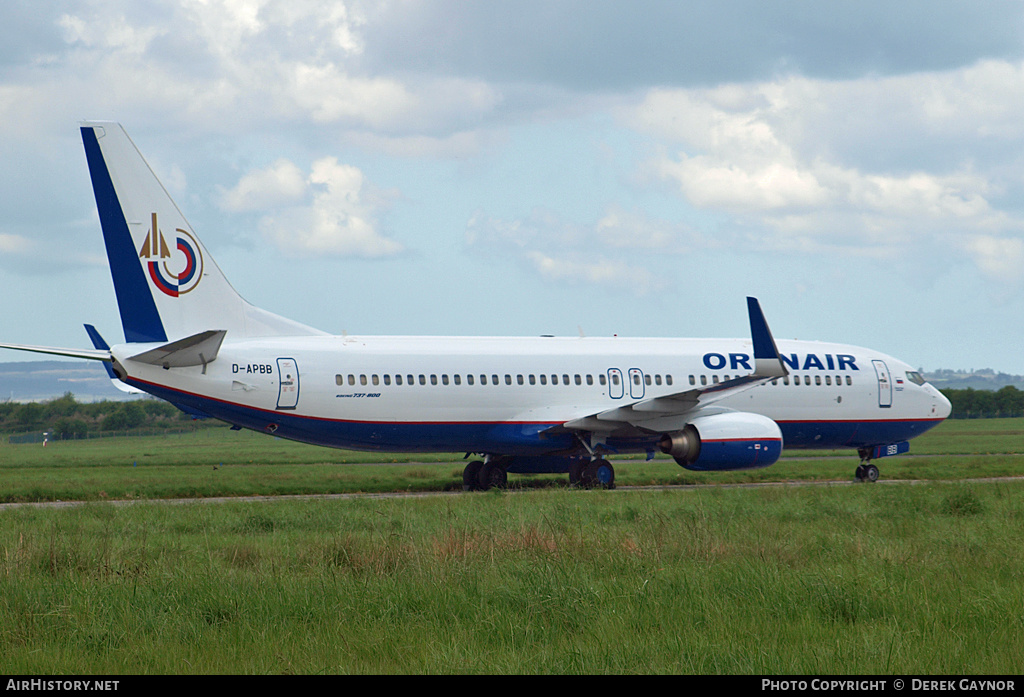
<point x="735" y="361"/>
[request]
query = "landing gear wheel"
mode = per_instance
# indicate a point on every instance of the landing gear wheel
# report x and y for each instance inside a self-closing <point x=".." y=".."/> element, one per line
<point x="492" y="476"/>
<point x="871" y="473"/>
<point x="471" y="476"/>
<point x="598" y="473"/>
<point x="576" y="473"/>
<point x="859" y="475"/>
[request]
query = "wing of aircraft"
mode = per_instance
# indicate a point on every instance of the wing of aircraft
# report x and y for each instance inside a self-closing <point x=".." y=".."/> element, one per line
<point x="672" y="414"/>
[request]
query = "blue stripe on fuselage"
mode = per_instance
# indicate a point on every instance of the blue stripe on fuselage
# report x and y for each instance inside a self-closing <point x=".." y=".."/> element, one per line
<point x="508" y="438"/>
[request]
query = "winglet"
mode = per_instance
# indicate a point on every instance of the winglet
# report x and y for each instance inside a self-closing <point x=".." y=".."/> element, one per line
<point x="766" y="355"/>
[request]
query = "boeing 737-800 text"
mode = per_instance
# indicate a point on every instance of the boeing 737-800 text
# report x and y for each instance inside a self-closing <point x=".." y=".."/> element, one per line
<point x="538" y="404"/>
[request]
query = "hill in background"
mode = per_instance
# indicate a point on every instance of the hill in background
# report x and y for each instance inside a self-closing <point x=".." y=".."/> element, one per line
<point x="984" y="379"/>
<point x="38" y="381"/>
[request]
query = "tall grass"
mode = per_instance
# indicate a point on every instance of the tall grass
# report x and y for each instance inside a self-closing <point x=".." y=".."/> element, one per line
<point x="912" y="579"/>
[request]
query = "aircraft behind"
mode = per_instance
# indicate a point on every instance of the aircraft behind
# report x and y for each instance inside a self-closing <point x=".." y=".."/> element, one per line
<point x="518" y="404"/>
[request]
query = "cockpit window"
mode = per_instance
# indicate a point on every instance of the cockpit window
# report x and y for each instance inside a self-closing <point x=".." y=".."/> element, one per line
<point x="915" y="377"/>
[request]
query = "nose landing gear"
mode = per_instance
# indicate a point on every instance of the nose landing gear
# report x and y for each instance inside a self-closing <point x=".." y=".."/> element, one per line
<point x="866" y="472"/>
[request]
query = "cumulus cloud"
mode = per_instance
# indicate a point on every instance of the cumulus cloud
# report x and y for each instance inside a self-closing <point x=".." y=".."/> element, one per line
<point x="614" y="253"/>
<point x="11" y="244"/>
<point x="863" y="166"/>
<point x="1001" y="258"/>
<point x="281" y="183"/>
<point x="330" y="211"/>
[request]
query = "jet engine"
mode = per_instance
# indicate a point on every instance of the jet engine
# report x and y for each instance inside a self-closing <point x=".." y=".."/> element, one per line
<point x="728" y="441"/>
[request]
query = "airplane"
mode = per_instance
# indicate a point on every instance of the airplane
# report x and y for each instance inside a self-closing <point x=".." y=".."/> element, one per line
<point x="512" y="404"/>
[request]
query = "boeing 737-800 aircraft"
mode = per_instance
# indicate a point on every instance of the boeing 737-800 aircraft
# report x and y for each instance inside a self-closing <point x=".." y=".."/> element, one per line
<point x="538" y="404"/>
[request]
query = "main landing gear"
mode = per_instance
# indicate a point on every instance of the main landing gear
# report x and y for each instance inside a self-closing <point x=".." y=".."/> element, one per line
<point x="481" y="475"/>
<point x="490" y="473"/>
<point x="595" y="474"/>
<point x="866" y="472"/>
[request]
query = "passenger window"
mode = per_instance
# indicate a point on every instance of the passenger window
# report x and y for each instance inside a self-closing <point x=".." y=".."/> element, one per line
<point x="469" y="379"/>
<point x="519" y="379"/>
<point x="362" y="379"/>
<point x="387" y="379"/>
<point x="376" y="380"/>
<point x="444" y="379"/>
<point x="828" y="379"/>
<point x="508" y="379"/>
<point x="352" y="379"/>
<point x="533" y="379"/>
<point x="398" y="379"/>
<point x="590" y="379"/>
<point x="668" y="379"/>
<point x="817" y="380"/>
<point x="703" y="379"/>
<point x="602" y="379"/>
<point x="849" y="380"/>
<point x="338" y="380"/>
<point x="494" y="379"/>
<point x="433" y="379"/>
<point x="693" y="380"/>
<point x="423" y="379"/>
<point x="565" y="379"/>
<point x="578" y="379"/>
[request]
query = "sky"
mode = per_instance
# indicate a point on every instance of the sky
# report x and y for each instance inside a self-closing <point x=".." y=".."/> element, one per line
<point x="446" y="167"/>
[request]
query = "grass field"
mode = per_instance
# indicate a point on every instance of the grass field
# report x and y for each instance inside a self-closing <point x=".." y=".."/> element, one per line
<point x="922" y="579"/>
<point x="221" y="462"/>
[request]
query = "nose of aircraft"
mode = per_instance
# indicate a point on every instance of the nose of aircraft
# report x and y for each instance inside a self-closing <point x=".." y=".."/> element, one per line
<point x="942" y="406"/>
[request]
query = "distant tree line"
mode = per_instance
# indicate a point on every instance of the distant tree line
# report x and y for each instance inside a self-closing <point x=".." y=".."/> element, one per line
<point x="65" y="417"/>
<point x="970" y="403"/>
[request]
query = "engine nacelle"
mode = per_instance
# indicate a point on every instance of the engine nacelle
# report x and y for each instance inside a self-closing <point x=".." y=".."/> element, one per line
<point x="728" y="441"/>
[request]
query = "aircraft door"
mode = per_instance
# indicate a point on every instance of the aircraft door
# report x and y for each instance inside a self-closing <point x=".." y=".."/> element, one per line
<point x="636" y="383"/>
<point x="288" y="383"/>
<point x="615" y="387"/>
<point x="884" y="384"/>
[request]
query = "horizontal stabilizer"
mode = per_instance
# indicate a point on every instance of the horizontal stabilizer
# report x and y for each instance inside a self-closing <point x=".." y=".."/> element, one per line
<point x="90" y="354"/>
<point x="198" y="349"/>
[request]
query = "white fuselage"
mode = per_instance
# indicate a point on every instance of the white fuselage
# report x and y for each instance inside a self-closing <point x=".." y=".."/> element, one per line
<point x="497" y="394"/>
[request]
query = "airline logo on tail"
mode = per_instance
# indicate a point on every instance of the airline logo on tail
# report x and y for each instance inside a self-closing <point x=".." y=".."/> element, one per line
<point x="157" y="255"/>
